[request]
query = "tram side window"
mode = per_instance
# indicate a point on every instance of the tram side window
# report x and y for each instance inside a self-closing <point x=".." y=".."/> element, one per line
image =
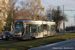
<point x="45" y="27"/>
<point x="34" y="28"/>
<point x="53" y="28"/>
<point x="40" y="29"/>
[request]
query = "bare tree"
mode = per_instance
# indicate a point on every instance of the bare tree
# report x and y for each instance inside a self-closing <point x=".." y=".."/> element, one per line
<point x="29" y="9"/>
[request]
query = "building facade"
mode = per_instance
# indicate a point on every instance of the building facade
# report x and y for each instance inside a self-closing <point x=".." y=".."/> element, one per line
<point x="4" y="9"/>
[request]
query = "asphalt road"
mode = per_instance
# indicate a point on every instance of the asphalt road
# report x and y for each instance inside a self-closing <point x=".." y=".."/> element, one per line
<point x="3" y="41"/>
<point x="64" y="45"/>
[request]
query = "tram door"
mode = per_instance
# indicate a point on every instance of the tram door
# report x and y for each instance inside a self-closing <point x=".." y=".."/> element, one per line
<point x="45" y="30"/>
<point x="27" y="31"/>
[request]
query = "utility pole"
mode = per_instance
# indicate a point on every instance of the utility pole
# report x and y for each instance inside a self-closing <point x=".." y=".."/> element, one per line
<point x="74" y="20"/>
<point x="63" y="22"/>
<point x="51" y="15"/>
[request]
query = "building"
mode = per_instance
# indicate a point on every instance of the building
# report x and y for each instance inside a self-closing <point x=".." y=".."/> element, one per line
<point x="4" y="9"/>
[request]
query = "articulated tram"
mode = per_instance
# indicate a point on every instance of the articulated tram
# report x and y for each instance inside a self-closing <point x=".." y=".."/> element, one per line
<point x="28" y="29"/>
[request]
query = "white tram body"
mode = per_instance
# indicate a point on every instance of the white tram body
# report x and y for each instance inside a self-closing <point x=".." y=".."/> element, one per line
<point x="27" y="29"/>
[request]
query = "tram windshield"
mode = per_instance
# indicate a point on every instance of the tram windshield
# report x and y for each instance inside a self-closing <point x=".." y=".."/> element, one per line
<point x="18" y="27"/>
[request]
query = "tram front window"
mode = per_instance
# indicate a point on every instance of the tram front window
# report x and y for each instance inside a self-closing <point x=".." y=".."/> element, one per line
<point x="18" y="28"/>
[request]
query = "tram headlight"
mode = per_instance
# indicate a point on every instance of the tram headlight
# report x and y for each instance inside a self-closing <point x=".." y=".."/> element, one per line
<point x="19" y="34"/>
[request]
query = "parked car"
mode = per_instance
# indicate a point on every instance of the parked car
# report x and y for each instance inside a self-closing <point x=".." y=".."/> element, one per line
<point x="6" y="35"/>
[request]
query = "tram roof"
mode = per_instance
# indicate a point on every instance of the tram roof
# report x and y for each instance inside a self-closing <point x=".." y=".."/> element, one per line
<point x="44" y="22"/>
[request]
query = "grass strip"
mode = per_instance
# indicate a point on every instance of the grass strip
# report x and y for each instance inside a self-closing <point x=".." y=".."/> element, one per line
<point x="24" y="45"/>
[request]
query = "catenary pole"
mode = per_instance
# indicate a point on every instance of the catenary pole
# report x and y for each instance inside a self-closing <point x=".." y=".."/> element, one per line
<point x="63" y="22"/>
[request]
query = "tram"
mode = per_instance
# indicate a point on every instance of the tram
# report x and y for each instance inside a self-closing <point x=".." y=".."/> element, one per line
<point x="28" y="29"/>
